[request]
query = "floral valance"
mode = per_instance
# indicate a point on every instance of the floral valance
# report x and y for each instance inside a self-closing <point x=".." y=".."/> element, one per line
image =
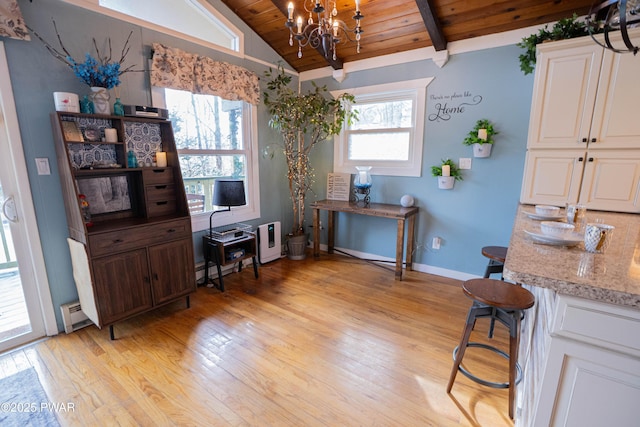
<point x="11" y="21"/>
<point x="176" y="69"/>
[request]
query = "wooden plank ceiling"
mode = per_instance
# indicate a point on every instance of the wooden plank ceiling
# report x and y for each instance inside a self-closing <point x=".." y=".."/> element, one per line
<point x="392" y="26"/>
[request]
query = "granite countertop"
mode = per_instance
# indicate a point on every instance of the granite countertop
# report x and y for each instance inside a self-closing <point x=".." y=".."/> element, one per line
<point x="612" y="277"/>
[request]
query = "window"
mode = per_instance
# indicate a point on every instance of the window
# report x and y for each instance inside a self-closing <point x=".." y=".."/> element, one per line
<point x="389" y="132"/>
<point x="215" y="139"/>
<point x="196" y="19"/>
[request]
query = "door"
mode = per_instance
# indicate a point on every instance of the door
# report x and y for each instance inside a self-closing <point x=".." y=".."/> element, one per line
<point x="552" y="177"/>
<point x="611" y="180"/>
<point x="26" y="310"/>
<point x="564" y="93"/>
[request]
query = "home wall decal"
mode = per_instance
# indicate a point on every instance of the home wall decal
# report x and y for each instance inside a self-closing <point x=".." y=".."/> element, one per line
<point x="449" y="105"/>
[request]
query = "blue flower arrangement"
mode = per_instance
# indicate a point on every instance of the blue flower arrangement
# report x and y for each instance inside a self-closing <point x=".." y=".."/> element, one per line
<point x="93" y="73"/>
<point x="100" y="72"/>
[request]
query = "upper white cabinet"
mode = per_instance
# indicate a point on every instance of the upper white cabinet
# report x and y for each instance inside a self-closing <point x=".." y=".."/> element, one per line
<point x="584" y="130"/>
<point x="584" y="96"/>
<point x="564" y="92"/>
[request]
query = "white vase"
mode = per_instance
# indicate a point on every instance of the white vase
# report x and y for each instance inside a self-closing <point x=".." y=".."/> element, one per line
<point x="446" y="182"/>
<point x="481" y="150"/>
<point x="100" y="98"/>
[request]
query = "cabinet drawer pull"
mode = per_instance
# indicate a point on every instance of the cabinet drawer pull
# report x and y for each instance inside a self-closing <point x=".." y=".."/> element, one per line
<point x="155" y="276"/>
<point x="160" y="187"/>
<point x="161" y="203"/>
<point x="158" y="170"/>
<point x="171" y="230"/>
<point x="118" y="241"/>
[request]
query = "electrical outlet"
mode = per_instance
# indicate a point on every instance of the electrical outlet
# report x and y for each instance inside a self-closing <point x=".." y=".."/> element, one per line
<point x="435" y="243"/>
<point x="464" y="163"/>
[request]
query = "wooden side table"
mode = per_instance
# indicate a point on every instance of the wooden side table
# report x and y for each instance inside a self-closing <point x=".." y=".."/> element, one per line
<point x="399" y="213"/>
<point x="229" y="252"/>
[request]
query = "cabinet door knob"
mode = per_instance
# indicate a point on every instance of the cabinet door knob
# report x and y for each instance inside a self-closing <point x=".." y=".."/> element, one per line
<point x="155" y="276"/>
<point x="593" y="140"/>
<point x="584" y="139"/>
<point x="580" y="159"/>
<point x="591" y="159"/>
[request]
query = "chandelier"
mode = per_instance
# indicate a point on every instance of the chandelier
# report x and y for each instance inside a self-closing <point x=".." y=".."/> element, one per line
<point x="325" y="31"/>
<point x="614" y="15"/>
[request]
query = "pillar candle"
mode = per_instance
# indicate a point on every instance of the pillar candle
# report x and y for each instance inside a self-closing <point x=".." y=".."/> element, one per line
<point x="111" y="135"/>
<point x="161" y="159"/>
<point x="446" y="170"/>
<point x="482" y="134"/>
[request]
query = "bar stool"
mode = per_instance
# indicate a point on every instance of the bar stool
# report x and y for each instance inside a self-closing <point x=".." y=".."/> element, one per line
<point x="502" y="301"/>
<point x="497" y="255"/>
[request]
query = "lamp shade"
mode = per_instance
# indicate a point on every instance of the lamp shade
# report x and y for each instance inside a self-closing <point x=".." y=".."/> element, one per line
<point x="228" y="192"/>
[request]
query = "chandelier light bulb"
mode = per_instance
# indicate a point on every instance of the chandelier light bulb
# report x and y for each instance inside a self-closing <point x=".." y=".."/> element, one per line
<point x="290" y="10"/>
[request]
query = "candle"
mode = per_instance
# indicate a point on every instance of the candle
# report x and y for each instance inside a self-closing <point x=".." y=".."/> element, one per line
<point x="335" y="28"/>
<point x="299" y="22"/>
<point x="161" y="159"/>
<point x="110" y="135"/>
<point x="482" y="134"/>
<point x="446" y="170"/>
<point x="290" y="10"/>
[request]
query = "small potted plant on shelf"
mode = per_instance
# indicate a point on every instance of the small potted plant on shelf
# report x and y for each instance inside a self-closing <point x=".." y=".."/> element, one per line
<point x="447" y="173"/>
<point x="480" y="137"/>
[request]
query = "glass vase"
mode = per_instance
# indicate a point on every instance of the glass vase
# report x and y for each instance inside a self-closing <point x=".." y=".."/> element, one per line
<point x="118" y="108"/>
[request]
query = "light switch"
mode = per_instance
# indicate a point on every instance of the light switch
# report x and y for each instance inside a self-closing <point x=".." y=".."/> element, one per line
<point x="464" y="163"/>
<point x="42" y="163"/>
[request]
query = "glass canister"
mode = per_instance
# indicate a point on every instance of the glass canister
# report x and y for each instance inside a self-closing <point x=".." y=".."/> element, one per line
<point x="576" y="215"/>
<point x="362" y="181"/>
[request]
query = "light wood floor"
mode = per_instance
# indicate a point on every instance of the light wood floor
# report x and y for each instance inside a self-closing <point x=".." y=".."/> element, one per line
<point x="328" y="342"/>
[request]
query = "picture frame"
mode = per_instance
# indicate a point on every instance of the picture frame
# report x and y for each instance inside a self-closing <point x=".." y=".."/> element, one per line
<point x="106" y="194"/>
<point x="71" y="131"/>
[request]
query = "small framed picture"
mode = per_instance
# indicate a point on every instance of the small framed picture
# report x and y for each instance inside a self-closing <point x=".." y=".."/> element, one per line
<point x="72" y="132"/>
<point x="92" y="134"/>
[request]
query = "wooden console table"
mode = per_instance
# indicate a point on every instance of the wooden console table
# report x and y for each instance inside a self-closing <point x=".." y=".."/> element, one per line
<point x="399" y="213"/>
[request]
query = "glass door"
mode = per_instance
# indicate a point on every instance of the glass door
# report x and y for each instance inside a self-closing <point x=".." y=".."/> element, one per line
<point x="26" y="309"/>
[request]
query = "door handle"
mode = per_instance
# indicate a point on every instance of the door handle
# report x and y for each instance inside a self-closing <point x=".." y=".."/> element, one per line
<point x="9" y="209"/>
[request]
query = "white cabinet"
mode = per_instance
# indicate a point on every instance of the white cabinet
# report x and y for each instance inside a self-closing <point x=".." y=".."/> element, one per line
<point x="606" y="180"/>
<point x="592" y="374"/>
<point x="584" y="130"/>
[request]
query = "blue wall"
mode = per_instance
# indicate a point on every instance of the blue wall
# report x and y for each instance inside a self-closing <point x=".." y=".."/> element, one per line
<point x="477" y="212"/>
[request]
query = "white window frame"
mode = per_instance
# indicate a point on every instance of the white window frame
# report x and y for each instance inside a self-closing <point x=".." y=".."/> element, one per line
<point x="204" y="7"/>
<point x="251" y="210"/>
<point x="416" y="91"/>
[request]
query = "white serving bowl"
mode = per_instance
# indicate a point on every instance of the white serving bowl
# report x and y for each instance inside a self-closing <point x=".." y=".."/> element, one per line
<point x="547" y="210"/>
<point x="556" y="229"/>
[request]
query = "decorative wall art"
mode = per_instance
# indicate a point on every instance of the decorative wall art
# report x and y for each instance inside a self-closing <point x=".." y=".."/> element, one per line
<point x="446" y="106"/>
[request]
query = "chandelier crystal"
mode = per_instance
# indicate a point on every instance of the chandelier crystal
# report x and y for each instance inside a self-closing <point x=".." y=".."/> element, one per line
<point x="610" y="16"/>
<point x="325" y="31"/>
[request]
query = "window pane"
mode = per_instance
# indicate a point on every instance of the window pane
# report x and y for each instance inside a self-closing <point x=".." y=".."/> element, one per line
<point x="204" y="122"/>
<point x="391" y="146"/>
<point x="383" y="115"/>
<point x="199" y="172"/>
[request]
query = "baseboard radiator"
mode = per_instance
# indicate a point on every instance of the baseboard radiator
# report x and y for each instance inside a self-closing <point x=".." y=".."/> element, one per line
<point x="73" y="317"/>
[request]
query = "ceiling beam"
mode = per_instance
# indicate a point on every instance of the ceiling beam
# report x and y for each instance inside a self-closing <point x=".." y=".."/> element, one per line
<point x="282" y="6"/>
<point x="432" y="23"/>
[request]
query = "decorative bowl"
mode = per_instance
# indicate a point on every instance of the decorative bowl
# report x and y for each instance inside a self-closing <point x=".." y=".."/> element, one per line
<point x="556" y="229"/>
<point x="547" y="210"/>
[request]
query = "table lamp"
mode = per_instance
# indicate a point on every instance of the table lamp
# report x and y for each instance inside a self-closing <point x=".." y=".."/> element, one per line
<point x="227" y="192"/>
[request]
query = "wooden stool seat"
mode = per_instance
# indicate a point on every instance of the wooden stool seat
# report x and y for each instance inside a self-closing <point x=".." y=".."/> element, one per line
<point x="499" y="294"/>
<point x="496" y="253"/>
<point x="497" y="256"/>
<point x="500" y="301"/>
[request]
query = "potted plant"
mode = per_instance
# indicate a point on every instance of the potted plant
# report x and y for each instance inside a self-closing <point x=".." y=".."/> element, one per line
<point x="447" y="173"/>
<point x="565" y="28"/>
<point x="303" y="120"/>
<point x="481" y="138"/>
